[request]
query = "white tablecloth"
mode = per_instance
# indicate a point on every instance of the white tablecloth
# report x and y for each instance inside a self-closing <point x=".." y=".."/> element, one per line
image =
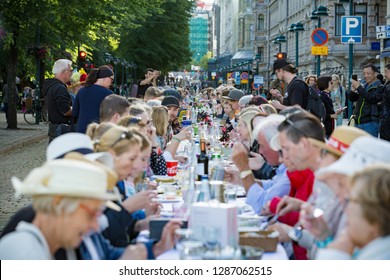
<point x="280" y="254"/>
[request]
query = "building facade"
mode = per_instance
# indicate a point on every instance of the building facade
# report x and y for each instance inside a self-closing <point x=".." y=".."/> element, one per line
<point x="271" y="20"/>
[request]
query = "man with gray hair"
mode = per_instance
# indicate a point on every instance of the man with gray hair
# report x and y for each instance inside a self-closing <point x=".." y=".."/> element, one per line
<point x="260" y="192"/>
<point x="58" y="100"/>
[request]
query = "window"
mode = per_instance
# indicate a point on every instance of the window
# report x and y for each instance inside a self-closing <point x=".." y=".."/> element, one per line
<point x="377" y="14"/>
<point x="260" y="22"/>
<point x="260" y="51"/>
<point x="339" y="12"/>
<point x="361" y="10"/>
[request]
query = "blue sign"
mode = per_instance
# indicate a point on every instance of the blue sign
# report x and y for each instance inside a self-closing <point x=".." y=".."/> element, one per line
<point x="237" y="78"/>
<point x="351" y="29"/>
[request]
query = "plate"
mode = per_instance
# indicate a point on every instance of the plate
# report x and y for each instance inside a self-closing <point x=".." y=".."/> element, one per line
<point x="162" y="199"/>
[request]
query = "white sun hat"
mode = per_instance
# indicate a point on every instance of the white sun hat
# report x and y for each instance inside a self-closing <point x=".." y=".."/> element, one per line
<point x="363" y="151"/>
<point x="76" y="142"/>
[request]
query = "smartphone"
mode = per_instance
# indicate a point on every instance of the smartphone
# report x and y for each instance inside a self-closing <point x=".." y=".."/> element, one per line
<point x="354" y="77"/>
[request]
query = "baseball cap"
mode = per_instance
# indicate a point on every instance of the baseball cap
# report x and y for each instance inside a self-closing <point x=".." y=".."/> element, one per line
<point x="173" y="92"/>
<point x="279" y="64"/>
<point x="234" y="94"/>
<point x="170" y="101"/>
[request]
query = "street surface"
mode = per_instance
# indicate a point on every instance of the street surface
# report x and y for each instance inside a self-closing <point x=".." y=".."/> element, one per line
<point x="17" y="163"/>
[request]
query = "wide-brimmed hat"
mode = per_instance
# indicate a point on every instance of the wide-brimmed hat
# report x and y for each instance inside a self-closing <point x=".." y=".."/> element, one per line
<point x="340" y="139"/>
<point x="170" y="101"/>
<point x="363" y="151"/>
<point x="76" y="142"/>
<point x="68" y="178"/>
<point x="234" y="94"/>
<point x="279" y="64"/>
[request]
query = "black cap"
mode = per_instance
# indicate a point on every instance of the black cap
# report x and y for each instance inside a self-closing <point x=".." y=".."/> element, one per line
<point x="173" y="92"/>
<point x="170" y="101"/>
<point x="279" y="64"/>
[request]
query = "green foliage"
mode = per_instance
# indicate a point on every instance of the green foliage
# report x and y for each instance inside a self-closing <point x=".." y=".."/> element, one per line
<point x="162" y="42"/>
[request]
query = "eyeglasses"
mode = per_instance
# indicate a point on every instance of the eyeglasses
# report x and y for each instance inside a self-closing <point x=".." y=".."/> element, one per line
<point x="112" y="79"/>
<point x="289" y="122"/>
<point x="93" y="214"/>
<point x="123" y="135"/>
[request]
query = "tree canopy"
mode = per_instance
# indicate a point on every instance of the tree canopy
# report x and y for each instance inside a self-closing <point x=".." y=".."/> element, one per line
<point x="147" y="32"/>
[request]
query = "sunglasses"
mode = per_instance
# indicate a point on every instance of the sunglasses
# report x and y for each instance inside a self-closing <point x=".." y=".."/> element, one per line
<point x="123" y="135"/>
<point x="288" y="122"/>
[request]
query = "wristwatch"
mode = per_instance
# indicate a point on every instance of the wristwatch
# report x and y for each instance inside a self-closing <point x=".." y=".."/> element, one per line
<point x="296" y="233"/>
<point x="245" y="173"/>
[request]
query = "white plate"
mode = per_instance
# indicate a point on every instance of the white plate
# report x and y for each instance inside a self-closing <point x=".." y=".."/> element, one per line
<point x="164" y="200"/>
<point x="248" y="229"/>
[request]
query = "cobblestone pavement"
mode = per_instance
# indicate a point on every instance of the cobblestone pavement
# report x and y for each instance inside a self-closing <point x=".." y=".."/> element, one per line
<point x="20" y="151"/>
<point x="17" y="163"/>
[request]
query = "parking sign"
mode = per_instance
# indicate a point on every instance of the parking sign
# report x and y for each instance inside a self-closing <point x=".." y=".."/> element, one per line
<point x="351" y="29"/>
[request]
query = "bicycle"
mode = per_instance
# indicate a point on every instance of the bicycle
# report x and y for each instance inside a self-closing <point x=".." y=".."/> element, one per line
<point x="29" y="114"/>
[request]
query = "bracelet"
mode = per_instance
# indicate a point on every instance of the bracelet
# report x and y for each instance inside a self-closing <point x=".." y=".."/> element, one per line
<point x="177" y="139"/>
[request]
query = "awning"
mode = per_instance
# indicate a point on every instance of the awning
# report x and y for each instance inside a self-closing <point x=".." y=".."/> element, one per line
<point x="242" y="56"/>
<point x="385" y="53"/>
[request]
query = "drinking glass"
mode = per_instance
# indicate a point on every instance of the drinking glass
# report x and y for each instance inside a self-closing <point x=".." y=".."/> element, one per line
<point x="230" y="193"/>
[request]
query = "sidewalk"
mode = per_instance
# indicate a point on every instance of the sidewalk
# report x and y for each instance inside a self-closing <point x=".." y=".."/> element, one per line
<point x="26" y="134"/>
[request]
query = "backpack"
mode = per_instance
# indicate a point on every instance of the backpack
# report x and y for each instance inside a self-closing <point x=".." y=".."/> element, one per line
<point x="315" y="105"/>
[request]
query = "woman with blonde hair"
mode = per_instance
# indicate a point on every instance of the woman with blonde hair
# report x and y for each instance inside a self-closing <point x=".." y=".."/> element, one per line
<point x="338" y="97"/>
<point x="160" y="121"/>
<point x="125" y="146"/>
<point x="244" y="128"/>
<point x="157" y="163"/>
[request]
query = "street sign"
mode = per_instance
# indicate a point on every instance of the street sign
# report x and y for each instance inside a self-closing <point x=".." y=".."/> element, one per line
<point x="244" y="77"/>
<point x="351" y="29"/>
<point x="383" y="35"/>
<point x="259" y="80"/>
<point x="237" y="79"/>
<point x="319" y="36"/>
<point x="382" y="28"/>
<point x="319" y="50"/>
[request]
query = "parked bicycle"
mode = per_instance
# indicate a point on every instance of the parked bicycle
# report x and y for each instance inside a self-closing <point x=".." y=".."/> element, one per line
<point x="30" y="114"/>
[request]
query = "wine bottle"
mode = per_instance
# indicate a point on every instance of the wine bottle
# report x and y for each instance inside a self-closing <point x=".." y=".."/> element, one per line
<point x="203" y="160"/>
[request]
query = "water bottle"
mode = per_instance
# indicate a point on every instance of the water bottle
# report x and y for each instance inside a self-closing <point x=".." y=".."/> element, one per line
<point x="204" y="192"/>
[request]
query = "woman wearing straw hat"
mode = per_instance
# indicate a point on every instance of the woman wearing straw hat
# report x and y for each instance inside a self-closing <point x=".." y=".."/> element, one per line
<point x="68" y="196"/>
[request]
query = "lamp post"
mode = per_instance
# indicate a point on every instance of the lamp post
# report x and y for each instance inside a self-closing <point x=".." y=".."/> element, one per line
<point x="257" y="58"/>
<point x="296" y="28"/>
<point x="346" y="4"/>
<point x="317" y="14"/>
<point x="116" y="61"/>
<point x="279" y="40"/>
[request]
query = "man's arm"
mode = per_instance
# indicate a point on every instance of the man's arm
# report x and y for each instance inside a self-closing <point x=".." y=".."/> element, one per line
<point x="372" y="97"/>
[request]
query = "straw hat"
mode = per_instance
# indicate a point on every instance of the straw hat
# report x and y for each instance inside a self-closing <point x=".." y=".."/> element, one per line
<point x="340" y="139"/>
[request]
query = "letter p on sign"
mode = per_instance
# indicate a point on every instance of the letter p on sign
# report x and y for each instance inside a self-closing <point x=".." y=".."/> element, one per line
<point x="351" y="24"/>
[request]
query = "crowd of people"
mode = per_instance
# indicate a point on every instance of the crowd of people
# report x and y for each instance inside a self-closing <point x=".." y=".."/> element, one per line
<point x="327" y="184"/>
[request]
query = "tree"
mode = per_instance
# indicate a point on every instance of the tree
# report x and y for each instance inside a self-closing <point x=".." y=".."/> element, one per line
<point x="161" y="42"/>
<point x="57" y="26"/>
